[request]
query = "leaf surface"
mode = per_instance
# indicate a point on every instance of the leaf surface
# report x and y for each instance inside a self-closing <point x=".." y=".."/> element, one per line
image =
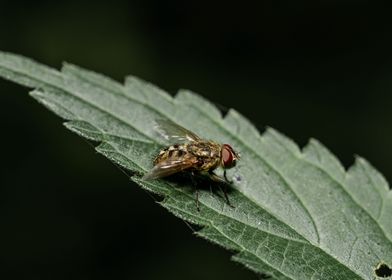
<point x="298" y="214"/>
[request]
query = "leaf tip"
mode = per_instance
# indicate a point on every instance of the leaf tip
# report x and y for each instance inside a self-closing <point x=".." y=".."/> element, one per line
<point x="45" y="98"/>
<point x="360" y="161"/>
<point x="279" y="137"/>
<point x="85" y="129"/>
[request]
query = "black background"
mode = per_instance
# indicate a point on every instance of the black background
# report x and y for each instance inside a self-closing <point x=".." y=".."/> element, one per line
<point x="321" y="70"/>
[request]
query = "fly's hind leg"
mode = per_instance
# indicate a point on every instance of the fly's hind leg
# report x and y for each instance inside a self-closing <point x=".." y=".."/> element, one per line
<point x="223" y="182"/>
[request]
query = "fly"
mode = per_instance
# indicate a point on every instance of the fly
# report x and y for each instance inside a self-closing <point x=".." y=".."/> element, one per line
<point x="190" y="153"/>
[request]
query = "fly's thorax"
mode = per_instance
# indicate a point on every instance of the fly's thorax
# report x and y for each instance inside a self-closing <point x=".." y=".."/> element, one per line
<point x="207" y="153"/>
<point x="204" y="149"/>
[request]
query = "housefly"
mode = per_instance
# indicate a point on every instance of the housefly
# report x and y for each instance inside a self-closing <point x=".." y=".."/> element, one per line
<point x="192" y="154"/>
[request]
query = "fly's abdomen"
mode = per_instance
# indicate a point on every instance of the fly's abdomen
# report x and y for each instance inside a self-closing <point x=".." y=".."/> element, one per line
<point x="174" y="152"/>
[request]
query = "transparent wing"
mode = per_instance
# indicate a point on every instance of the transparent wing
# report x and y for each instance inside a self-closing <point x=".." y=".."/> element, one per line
<point x="175" y="133"/>
<point x="169" y="167"/>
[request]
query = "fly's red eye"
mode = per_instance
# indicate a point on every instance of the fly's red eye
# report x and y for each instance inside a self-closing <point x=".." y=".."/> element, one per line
<point x="227" y="156"/>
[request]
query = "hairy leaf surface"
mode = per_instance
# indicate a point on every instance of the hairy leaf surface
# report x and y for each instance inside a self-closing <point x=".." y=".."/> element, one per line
<point x="298" y="213"/>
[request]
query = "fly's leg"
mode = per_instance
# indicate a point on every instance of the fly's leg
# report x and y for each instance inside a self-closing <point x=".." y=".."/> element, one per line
<point x="223" y="182"/>
<point x="194" y="184"/>
<point x="215" y="177"/>
<point x="227" y="180"/>
<point x="224" y="190"/>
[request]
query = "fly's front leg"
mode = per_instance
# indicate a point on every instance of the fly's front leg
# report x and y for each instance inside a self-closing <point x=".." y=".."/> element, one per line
<point x="216" y="178"/>
<point x="227" y="180"/>
<point x="223" y="182"/>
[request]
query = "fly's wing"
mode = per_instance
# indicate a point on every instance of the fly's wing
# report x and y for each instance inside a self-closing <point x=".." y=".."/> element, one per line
<point x="174" y="133"/>
<point x="169" y="167"/>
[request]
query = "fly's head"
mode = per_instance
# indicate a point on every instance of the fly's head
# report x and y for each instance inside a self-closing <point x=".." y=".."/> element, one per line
<point x="229" y="157"/>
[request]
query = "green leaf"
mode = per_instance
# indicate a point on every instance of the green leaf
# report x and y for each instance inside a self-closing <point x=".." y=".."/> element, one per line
<point x="298" y="214"/>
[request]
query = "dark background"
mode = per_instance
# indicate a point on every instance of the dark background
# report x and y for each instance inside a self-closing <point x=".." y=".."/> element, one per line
<point x="320" y="70"/>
